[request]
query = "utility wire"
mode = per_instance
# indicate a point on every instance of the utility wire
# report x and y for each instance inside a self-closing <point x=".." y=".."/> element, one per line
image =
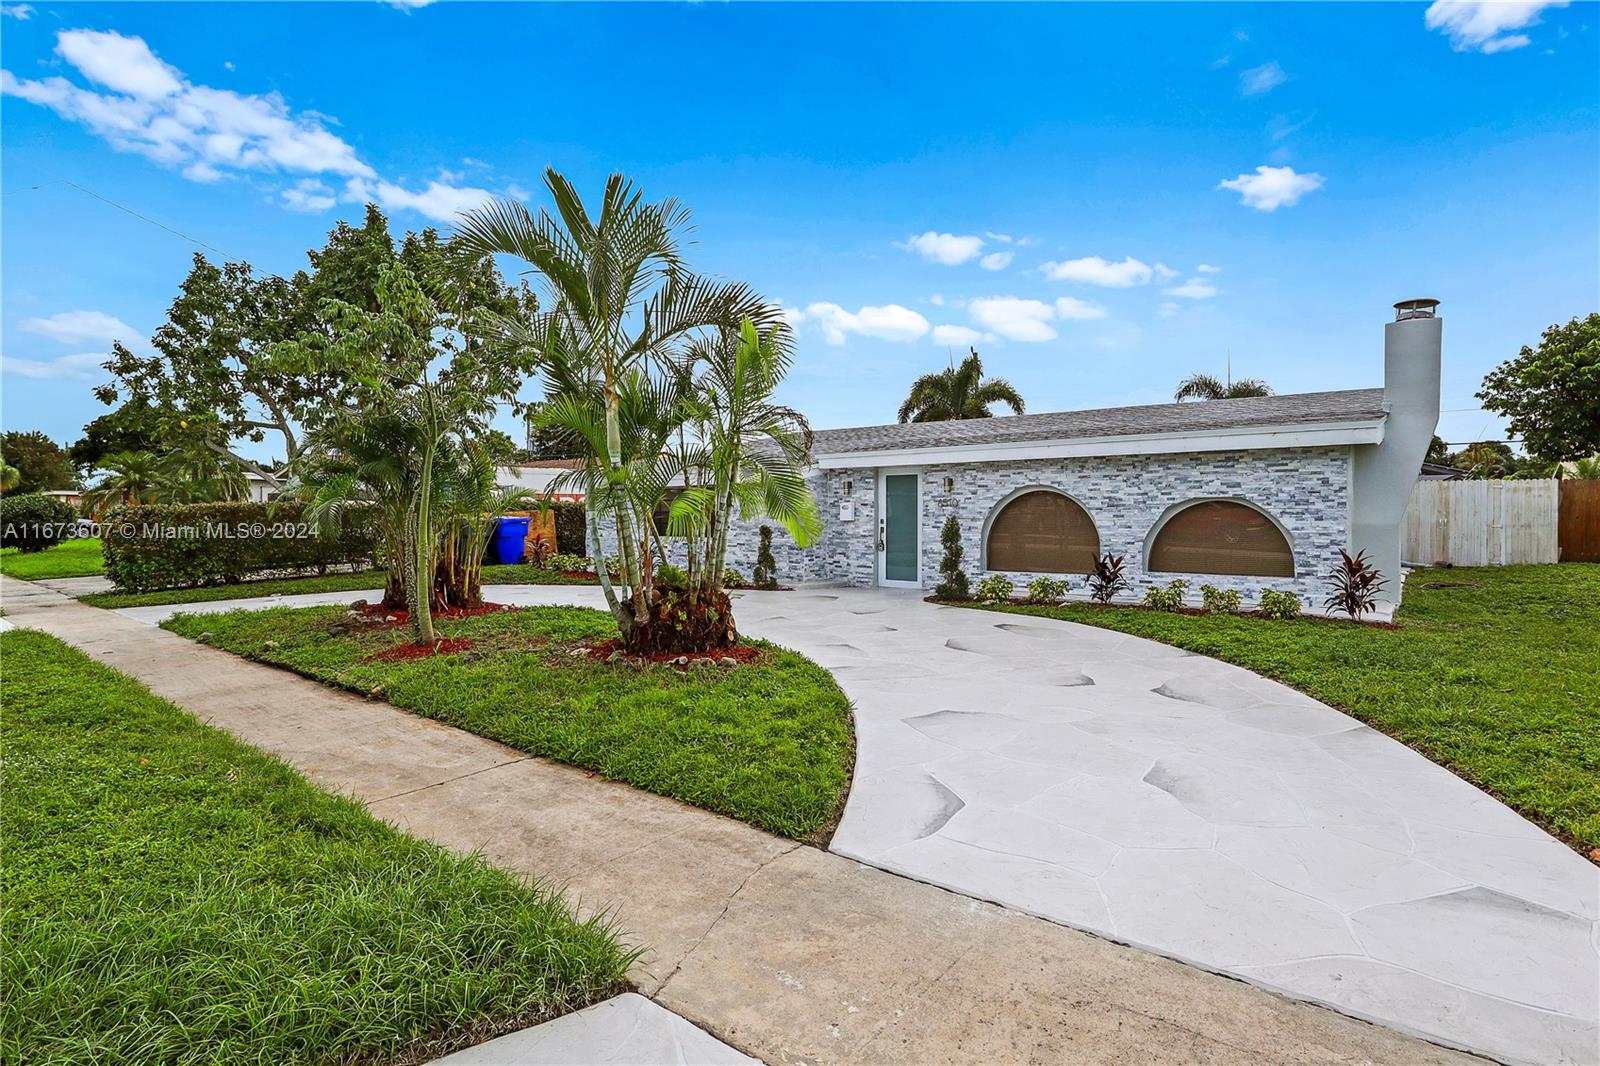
<point x="229" y="257"/>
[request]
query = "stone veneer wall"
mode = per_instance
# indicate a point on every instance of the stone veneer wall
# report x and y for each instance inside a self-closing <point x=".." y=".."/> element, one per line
<point x="1306" y="490"/>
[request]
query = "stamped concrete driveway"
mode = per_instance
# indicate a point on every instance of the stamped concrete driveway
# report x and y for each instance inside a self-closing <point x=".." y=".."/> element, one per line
<point x="1180" y="804"/>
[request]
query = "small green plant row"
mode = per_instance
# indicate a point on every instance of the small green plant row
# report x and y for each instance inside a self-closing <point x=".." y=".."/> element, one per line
<point x="1045" y="591"/>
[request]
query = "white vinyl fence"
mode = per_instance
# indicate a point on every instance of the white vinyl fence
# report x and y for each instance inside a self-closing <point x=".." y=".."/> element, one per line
<point x="1482" y="523"/>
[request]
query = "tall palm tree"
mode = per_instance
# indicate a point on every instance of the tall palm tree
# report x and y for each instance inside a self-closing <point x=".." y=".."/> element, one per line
<point x="10" y="476"/>
<point x="1207" y="387"/>
<point x="958" y="392"/>
<point x="620" y="299"/>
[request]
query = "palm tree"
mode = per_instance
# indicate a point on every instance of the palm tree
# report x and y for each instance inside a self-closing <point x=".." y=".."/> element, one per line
<point x="10" y="476"/>
<point x="1582" y="470"/>
<point x="131" y="478"/>
<point x="958" y="392"/>
<point x="1207" y="387"/>
<point x="620" y="300"/>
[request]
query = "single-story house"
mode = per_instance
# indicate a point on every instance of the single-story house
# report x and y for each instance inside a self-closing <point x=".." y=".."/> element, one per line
<point x="536" y="477"/>
<point x="1248" y="494"/>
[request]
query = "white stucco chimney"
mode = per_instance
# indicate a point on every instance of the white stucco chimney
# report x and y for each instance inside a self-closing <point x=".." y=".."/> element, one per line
<point x="1384" y="474"/>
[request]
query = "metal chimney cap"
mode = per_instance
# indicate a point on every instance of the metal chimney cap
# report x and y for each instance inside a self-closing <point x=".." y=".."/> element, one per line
<point x="1421" y="308"/>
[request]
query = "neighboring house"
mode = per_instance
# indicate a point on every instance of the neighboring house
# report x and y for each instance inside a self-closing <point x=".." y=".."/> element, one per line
<point x="261" y="487"/>
<point x="537" y="477"/>
<point x="1248" y="494"/>
<point x="71" y="497"/>
<point x="1439" y="472"/>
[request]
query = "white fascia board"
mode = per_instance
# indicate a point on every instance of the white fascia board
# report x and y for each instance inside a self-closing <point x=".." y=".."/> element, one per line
<point x="1249" y="438"/>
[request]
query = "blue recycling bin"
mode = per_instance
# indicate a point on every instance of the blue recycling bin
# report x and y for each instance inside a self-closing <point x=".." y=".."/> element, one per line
<point x="510" y="538"/>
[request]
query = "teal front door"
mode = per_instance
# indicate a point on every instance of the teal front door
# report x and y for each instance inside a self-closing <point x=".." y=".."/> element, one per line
<point x="899" y="515"/>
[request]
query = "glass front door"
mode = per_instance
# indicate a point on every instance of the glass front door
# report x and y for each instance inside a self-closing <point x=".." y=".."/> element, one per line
<point x="899" y="497"/>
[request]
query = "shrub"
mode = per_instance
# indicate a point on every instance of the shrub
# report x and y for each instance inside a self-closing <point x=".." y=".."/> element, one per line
<point x="1220" y="601"/>
<point x="156" y="546"/>
<point x="1355" y="585"/>
<point x="995" y="589"/>
<point x="1278" y="605"/>
<point x="1106" y="579"/>
<point x="732" y="578"/>
<point x="33" y="521"/>
<point x="1047" y="590"/>
<point x="765" y="574"/>
<point x="669" y="576"/>
<point x="954" y="584"/>
<point x="571" y="532"/>
<point x="565" y="562"/>
<point x="1166" y="599"/>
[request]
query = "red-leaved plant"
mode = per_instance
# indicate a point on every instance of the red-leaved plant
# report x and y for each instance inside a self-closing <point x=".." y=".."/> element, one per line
<point x="1106" y="579"/>
<point x="1355" y="584"/>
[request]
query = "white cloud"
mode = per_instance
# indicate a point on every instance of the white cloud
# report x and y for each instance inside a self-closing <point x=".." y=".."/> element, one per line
<point x="890" y="322"/>
<point x="937" y="299"/>
<point x="1270" y="188"/>
<point x="1484" y="25"/>
<point x="999" y="238"/>
<point x="1193" y="289"/>
<point x="957" y="336"/>
<point x="1164" y="272"/>
<point x="80" y="367"/>
<point x="1014" y="318"/>
<point x="408" y="5"/>
<point x="20" y="12"/>
<point x="153" y="110"/>
<point x="1069" y="308"/>
<point x="1207" y="268"/>
<point x="1167" y="310"/>
<point x="310" y="195"/>
<point x="82" y="327"/>
<point x="517" y="192"/>
<point x="997" y="260"/>
<point x="946" y="248"/>
<point x="1262" y="79"/>
<point x="1092" y="270"/>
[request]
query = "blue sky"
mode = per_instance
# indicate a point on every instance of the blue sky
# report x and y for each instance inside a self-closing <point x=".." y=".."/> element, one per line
<point x="1101" y="198"/>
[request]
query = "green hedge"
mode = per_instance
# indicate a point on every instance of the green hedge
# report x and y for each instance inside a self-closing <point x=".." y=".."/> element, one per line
<point x="33" y="521"/>
<point x="159" y="546"/>
<point x="570" y="536"/>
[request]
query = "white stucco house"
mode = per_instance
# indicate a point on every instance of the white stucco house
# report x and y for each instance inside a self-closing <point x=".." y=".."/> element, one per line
<point x="1248" y="494"/>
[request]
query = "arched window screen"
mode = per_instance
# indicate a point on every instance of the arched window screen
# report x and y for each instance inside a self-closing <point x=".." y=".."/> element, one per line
<point x="1043" y="532"/>
<point x="1221" y="537"/>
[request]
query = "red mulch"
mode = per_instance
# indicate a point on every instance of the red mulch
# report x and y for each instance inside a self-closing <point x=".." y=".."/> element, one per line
<point x="406" y="652"/>
<point x="399" y="616"/>
<point x="739" y="652"/>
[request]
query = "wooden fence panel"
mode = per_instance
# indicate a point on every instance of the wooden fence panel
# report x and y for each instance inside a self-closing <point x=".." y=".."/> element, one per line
<point x="1579" y="522"/>
<point x="1481" y="523"/>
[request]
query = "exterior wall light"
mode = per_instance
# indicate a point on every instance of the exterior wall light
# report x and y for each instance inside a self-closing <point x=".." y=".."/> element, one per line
<point x="849" y="487"/>
<point x="949" y="484"/>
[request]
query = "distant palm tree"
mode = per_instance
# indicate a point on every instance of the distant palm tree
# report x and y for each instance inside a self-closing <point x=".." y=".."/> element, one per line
<point x="1206" y="387"/>
<point x="131" y="478"/>
<point x="958" y="392"/>
<point x="1582" y="470"/>
<point x="10" y="476"/>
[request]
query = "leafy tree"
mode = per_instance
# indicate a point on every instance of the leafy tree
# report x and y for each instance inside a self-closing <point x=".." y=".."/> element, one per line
<point x="40" y="462"/>
<point x="1485" y="459"/>
<point x="214" y="361"/>
<point x="133" y="427"/>
<point x="622" y="302"/>
<point x="958" y="392"/>
<point x="1438" y="451"/>
<point x="1550" y="395"/>
<point x="1583" y="470"/>
<point x="1207" y="387"/>
<point x="550" y="442"/>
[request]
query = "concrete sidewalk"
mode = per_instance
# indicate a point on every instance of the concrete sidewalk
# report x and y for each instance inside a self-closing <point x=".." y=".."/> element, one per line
<point x="785" y="952"/>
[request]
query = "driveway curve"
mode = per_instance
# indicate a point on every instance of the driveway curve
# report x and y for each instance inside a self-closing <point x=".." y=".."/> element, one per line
<point x="1190" y="807"/>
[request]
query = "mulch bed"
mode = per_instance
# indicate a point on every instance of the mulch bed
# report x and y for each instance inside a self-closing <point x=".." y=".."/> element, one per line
<point x="742" y="653"/>
<point x="1193" y="612"/>
<point x="406" y="652"/>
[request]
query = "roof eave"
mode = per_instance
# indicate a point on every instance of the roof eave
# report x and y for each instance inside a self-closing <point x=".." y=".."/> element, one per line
<point x="1242" y="438"/>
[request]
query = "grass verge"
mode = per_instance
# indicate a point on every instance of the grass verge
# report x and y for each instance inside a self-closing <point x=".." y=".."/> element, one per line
<point x="79" y="557"/>
<point x="768" y="742"/>
<point x="1490" y="672"/>
<point x="513" y="574"/>
<point x="173" y="895"/>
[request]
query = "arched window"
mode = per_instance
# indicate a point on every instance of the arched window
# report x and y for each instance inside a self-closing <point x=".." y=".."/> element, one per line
<point x="1042" y="532"/>
<point x="1221" y="537"/>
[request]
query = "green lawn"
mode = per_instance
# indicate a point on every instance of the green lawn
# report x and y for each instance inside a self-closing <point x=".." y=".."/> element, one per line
<point x="769" y="742"/>
<point x="512" y="574"/>
<point x="1495" y="674"/>
<point x="175" y="896"/>
<point x="79" y="557"/>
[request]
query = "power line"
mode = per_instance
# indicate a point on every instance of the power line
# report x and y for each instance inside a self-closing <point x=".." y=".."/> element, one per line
<point x="227" y="256"/>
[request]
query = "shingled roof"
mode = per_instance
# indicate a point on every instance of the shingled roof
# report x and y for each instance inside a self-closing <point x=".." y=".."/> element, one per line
<point x="1294" y="409"/>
